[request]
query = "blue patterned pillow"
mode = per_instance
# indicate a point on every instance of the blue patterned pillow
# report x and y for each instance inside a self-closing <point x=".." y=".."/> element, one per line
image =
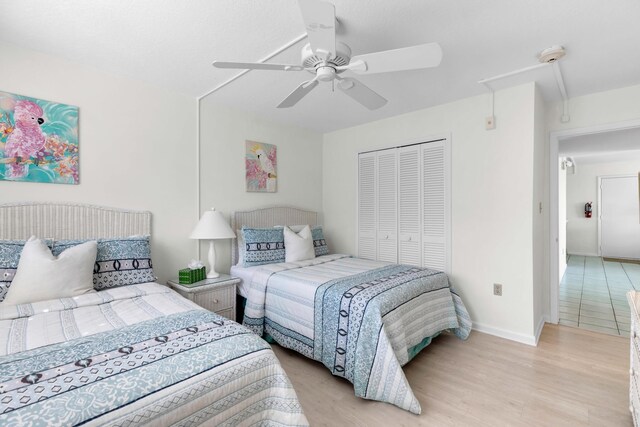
<point x="120" y="261"/>
<point x="262" y="246"/>
<point x="10" y="251"/>
<point x="319" y="244"/>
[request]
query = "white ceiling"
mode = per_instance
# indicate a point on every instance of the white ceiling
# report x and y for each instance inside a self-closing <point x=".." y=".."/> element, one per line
<point x="172" y="43"/>
<point x="616" y="146"/>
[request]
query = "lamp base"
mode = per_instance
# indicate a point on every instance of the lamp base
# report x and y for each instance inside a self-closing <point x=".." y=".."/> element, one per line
<point x="212" y="274"/>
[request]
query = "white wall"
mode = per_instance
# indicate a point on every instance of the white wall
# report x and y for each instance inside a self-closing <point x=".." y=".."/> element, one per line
<point x="613" y="106"/>
<point x="540" y="218"/>
<point x="582" y="233"/>
<point x="137" y="147"/>
<point x="222" y="178"/>
<point x="492" y="203"/>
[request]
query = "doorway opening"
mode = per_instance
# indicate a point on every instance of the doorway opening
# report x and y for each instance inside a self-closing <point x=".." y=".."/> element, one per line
<point x="594" y="216"/>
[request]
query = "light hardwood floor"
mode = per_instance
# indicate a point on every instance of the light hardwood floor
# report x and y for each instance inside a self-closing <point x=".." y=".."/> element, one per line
<point x="574" y="377"/>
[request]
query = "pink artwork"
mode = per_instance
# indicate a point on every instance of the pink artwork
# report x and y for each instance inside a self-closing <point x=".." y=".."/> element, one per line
<point x="38" y="140"/>
<point x="261" y="163"/>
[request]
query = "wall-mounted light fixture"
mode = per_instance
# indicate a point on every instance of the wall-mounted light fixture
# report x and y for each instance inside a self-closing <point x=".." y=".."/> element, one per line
<point x="569" y="163"/>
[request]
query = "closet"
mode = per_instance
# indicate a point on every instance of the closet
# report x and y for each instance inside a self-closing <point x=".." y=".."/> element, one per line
<point x="404" y="205"/>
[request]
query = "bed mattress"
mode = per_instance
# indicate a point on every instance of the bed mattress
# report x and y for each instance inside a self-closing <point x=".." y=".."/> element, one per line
<point x="136" y="355"/>
<point x="362" y="319"/>
<point x="245" y="274"/>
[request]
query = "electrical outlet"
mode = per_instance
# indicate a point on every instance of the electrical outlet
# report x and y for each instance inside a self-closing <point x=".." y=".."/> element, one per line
<point x="497" y="289"/>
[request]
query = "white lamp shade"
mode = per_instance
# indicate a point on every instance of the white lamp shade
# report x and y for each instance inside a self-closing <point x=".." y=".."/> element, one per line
<point x="212" y="226"/>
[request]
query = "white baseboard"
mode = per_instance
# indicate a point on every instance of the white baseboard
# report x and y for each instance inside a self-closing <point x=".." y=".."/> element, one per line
<point x="531" y="340"/>
<point x="539" y="328"/>
<point x="582" y="254"/>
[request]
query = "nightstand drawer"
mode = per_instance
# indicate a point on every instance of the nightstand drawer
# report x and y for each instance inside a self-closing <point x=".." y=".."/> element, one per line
<point x="215" y="299"/>
<point x="228" y="313"/>
<point x="215" y="294"/>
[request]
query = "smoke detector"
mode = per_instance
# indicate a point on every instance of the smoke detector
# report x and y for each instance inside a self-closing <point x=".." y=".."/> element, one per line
<point x="551" y="54"/>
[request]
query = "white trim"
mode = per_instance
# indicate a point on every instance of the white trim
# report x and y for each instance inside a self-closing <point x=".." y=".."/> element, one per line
<point x="599" y="213"/>
<point x="539" y="329"/>
<point x="554" y="140"/>
<point x="582" y="254"/>
<point x="448" y="194"/>
<point x="357" y="193"/>
<point x="503" y="333"/>
<point x="197" y="242"/>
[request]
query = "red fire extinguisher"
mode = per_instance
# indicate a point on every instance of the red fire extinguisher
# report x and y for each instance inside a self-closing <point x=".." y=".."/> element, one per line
<point x="587" y="210"/>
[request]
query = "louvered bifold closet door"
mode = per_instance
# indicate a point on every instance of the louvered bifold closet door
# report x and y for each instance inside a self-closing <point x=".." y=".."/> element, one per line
<point x="367" y="206"/>
<point x="434" y="206"/>
<point x="387" y="175"/>
<point x="409" y="195"/>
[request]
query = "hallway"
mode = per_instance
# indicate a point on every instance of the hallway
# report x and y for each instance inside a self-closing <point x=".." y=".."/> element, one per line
<point x="593" y="294"/>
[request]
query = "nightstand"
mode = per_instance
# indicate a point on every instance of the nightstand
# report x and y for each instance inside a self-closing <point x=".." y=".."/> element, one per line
<point x="217" y="295"/>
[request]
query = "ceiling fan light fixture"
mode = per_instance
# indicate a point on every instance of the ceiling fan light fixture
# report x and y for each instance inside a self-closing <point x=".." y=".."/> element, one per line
<point x="326" y="59"/>
<point x="326" y="73"/>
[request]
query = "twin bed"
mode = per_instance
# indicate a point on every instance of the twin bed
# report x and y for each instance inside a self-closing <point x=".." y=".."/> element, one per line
<point x="142" y="354"/>
<point x="129" y="355"/>
<point x="362" y="319"/>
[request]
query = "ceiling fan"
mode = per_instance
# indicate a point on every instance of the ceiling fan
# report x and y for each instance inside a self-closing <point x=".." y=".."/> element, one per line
<point x="327" y="59"/>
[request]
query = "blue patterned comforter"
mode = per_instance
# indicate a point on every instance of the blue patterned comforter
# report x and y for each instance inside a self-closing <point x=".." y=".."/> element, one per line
<point x="361" y="319"/>
<point x="186" y="368"/>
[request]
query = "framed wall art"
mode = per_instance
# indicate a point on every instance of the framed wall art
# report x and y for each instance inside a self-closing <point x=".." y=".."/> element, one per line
<point x="38" y="140"/>
<point x="261" y="162"/>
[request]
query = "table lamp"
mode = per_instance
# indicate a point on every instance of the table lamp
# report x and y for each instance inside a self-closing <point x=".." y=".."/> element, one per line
<point x="212" y="226"/>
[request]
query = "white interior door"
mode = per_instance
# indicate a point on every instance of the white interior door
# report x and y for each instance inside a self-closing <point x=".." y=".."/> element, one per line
<point x="620" y="217"/>
<point x="409" y="188"/>
<point x="434" y="203"/>
<point x="367" y="206"/>
<point x="387" y="175"/>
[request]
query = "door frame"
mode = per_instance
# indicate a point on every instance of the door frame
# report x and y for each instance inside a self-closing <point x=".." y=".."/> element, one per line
<point x="554" y="141"/>
<point x="600" y="178"/>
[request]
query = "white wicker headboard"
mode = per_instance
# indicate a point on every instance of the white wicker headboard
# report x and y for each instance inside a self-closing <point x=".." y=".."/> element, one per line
<point x="268" y="217"/>
<point x="70" y="221"/>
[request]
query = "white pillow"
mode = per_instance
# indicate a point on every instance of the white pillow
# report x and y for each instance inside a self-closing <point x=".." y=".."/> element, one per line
<point x="242" y="247"/>
<point x="298" y="246"/>
<point x="41" y="276"/>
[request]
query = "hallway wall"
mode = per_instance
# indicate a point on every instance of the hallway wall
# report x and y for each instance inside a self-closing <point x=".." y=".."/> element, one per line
<point x="582" y="187"/>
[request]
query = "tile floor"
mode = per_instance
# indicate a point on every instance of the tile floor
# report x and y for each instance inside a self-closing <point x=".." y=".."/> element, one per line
<point x="593" y="294"/>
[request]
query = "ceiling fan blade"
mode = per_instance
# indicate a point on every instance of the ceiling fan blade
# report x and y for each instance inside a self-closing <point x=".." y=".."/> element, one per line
<point x="298" y="94"/>
<point x="361" y="93"/>
<point x="406" y="58"/>
<point x="257" y="66"/>
<point x="320" y="21"/>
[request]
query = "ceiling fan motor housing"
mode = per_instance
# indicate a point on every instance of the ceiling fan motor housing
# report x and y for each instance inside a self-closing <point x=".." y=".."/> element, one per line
<point x="312" y="62"/>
